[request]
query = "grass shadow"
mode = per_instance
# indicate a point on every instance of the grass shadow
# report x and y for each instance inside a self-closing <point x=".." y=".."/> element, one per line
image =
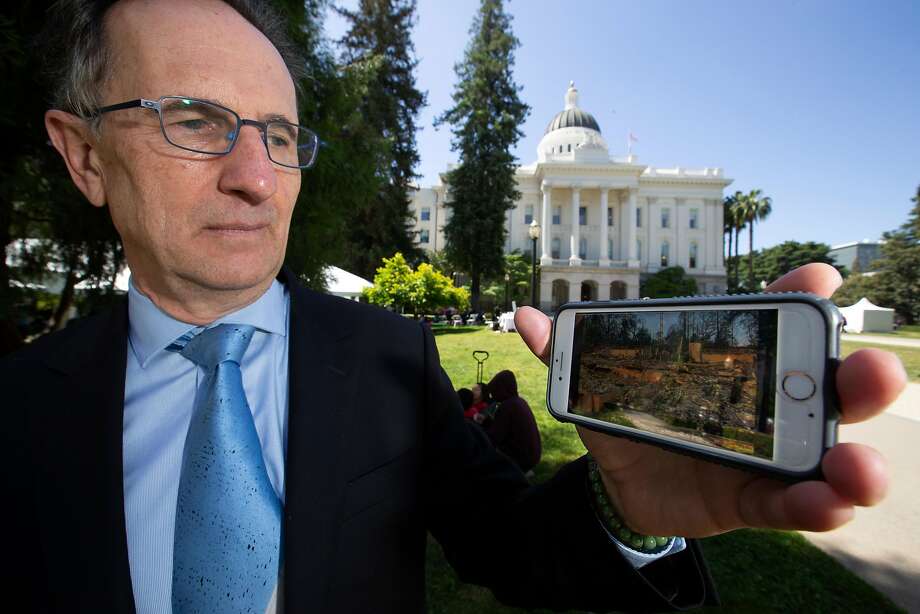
<point x="437" y="331"/>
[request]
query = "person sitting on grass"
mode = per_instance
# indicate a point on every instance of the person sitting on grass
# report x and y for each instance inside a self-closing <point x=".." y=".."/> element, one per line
<point x="511" y="426"/>
<point x="481" y="400"/>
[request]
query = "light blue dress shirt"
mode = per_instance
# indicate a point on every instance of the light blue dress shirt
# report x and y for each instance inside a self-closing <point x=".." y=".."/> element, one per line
<point x="160" y="391"/>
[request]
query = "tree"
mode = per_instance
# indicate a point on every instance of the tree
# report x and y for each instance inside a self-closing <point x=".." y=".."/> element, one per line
<point x="733" y="222"/>
<point x="398" y="287"/>
<point x="379" y="37"/>
<point x="486" y="124"/>
<point x="517" y="285"/>
<point x="345" y="177"/>
<point x="858" y="286"/>
<point x="899" y="266"/>
<point x="45" y="223"/>
<point x="753" y="207"/>
<point x="773" y="262"/>
<point x="672" y="281"/>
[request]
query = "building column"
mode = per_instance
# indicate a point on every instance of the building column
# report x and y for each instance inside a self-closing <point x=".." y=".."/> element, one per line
<point x="574" y="290"/>
<point x="546" y="293"/>
<point x="603" y="259"/>
<point x="719" y="238"/>
<point x="631" y="236"/>
<point x="574" y="259"/>
<point x="545" y="255"/>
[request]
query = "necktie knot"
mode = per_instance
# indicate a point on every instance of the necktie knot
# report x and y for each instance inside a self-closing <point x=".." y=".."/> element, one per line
<point x="222" y="343"/>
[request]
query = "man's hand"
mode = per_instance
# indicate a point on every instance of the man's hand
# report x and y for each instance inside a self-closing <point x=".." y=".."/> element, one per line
<point x="662" y="493"/>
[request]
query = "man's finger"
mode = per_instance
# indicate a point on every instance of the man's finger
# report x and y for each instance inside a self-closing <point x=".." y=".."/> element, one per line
<point x="868" y="381"/>
<point x="534" y="328"/>
<point x="857" y="473"/>
<point x="806" y="506"/>
<point x="817" y="278"/>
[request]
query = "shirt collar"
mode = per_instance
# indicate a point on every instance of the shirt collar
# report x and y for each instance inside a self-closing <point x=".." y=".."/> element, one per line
<point x="151" y="330"/>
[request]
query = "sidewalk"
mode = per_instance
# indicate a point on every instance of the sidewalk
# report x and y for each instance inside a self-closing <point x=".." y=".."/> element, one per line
<point x="881" y="340"/>
<point x="882" y="543"/>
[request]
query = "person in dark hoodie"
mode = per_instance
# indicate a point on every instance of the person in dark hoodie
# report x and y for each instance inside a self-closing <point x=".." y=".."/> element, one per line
<point x="512" y="428"/>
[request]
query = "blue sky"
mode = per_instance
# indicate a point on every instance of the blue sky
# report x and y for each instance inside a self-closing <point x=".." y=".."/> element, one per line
<point x="815" y="103"/>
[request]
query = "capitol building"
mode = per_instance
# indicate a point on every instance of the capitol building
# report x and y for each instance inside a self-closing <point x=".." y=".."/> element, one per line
<point x="605" y="222"/>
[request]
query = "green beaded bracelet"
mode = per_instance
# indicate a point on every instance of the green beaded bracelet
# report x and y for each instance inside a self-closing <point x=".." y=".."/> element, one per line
<point x="647" y="544"/>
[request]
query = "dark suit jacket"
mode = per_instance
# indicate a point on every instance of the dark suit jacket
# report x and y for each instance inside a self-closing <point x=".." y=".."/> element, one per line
<point x="378" y="454"/>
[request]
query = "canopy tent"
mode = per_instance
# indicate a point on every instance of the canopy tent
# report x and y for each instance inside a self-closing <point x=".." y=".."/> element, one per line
<point x="864" y="317"/>
<point x="345" y="284"/>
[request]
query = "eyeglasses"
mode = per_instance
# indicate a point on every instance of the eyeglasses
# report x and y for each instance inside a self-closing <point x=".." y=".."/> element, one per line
<point x="208" y="128"/>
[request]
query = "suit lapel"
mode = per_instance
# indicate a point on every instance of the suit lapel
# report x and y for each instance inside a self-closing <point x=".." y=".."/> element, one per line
<point x="95" y="364"/>
<point x="321" y="384"/>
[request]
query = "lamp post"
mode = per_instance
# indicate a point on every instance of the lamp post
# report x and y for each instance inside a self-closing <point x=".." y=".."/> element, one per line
<point x="534" y="232"/>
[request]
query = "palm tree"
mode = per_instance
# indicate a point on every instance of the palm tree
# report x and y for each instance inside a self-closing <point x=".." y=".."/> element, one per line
<point x="733" y="223"/>
<point x="754" y="207"/>
<point x="728" y="224"/>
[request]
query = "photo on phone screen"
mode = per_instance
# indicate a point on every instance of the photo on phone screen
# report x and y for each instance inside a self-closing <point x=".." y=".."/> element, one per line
<point x="706" y="376"/>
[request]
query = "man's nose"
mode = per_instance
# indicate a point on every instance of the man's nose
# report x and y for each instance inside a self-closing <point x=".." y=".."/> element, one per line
<point x="248" y="171"/>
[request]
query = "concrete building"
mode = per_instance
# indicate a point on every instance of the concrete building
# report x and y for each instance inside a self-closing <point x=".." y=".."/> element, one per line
<point x="857" y="255"/>
<point x="605" y="221"/>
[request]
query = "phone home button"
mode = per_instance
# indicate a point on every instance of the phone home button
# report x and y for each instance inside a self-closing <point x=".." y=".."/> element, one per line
<point x="799" y="386"/>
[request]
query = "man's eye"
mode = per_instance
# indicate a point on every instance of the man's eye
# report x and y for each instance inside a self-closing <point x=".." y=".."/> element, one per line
<point x="278" y="141"/>
<point x="195" y="125"/>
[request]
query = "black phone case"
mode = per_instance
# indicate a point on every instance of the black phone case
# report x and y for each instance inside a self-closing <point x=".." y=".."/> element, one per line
<point x="834" y="324"/>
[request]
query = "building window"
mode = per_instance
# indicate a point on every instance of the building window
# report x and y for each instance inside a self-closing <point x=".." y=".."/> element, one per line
<point x="610" y="216"/>
<point x="423" y="236"/>
<point x="426" y="214"/>
<point x="570" y="148"/>
<point x="665" y="218"/>
<point x="609" y="249"/>
<point x="638" y="249"/>
<point x="694" y="250"/>
<point x="582" y="248"/>
<point x="665" y="253"/>
<point x="555" y="249"/>
<point x="557" y="215"/>
<point x="694" y="218"/>
<point x="582" y="216"/>
<point x="528" y="214"/>
<point x="638" y="217"/>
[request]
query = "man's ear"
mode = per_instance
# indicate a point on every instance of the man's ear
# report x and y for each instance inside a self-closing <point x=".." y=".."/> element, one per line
<point x="71" y="136"/>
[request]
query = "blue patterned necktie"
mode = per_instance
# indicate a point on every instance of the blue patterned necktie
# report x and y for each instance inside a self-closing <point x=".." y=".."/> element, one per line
<point x="228" y="517"/>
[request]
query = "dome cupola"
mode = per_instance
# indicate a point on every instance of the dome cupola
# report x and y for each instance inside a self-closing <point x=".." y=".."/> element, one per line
<point x="571" y="116"/>
<point x="573" y="135"/>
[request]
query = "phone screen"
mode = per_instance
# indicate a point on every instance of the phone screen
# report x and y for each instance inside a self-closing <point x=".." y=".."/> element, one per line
<point x="707" y="376"/>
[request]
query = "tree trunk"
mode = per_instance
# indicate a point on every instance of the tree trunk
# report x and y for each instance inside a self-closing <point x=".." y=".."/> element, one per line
<point x="58" y="320"/>
<point x="751" y="255"/>
<point x="728" y="259"/>
<point x="474" y="289"/>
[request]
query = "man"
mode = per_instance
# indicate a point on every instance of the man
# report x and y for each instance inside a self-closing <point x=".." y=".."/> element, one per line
<point x="228" y="441"/>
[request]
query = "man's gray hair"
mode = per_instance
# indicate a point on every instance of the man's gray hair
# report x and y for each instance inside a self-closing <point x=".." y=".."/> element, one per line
<point x="77" y="54"/>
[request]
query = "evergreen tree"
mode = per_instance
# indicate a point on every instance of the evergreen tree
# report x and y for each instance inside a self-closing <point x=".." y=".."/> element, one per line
<point x="899" y="267"/>
<point x="344" y="178"/>
<point x="486" y="124"/>
<point x="379" y="37"/>
<point x="771" y="263"/>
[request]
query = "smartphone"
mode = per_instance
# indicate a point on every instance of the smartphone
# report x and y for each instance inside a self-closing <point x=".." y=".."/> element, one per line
<point x="744" y="380"/>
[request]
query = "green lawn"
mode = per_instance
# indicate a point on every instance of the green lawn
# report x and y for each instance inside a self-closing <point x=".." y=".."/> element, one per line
<point x="756" y="571"/>
<point x="908" y="331"/>
<point x="909" y="356"/>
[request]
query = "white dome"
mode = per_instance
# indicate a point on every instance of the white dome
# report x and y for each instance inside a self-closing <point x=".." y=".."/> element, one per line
<point x="573" y="135"/>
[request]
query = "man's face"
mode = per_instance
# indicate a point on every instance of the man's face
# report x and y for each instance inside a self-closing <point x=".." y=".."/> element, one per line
<point x="192" y="222"/>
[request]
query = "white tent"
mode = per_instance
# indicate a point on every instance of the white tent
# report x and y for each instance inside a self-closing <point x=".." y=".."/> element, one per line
<point x="864" y="317"/>
<point x="345" y="284"/>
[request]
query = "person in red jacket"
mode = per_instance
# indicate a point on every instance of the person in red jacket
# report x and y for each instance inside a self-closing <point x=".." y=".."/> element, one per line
<point x="512" y="429"/>
<point x="481" y="400"/>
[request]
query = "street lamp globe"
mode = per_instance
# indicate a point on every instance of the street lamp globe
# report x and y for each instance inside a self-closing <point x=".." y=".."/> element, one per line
<point x="534" y="230"/>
